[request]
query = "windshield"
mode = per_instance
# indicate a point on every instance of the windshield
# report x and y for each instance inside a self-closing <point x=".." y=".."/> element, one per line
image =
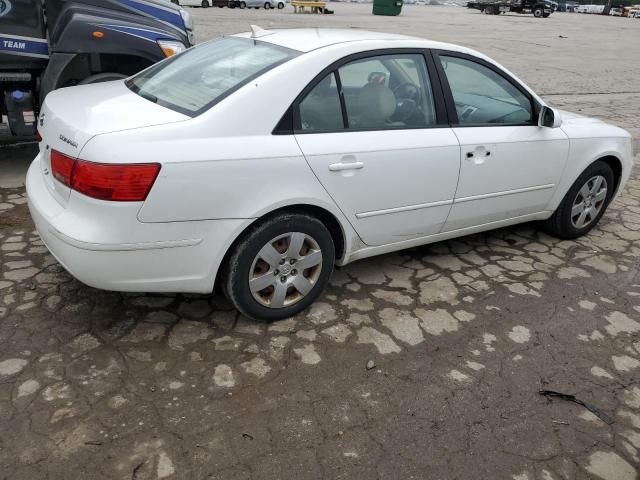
<point x="192" y="82"/>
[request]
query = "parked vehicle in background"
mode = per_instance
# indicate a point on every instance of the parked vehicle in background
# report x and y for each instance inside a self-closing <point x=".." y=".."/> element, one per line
<point x="539" y="8"/>
<point x="616" y="12"/>
<point x="267" y="4"/>
<point x="593" y="9"/>
<point x="170" y="182"/>
<point x="632" y="12"/>
<point x="567" y="6"/>
<point x="50" y="44"/>
<point x="201" y="3"/>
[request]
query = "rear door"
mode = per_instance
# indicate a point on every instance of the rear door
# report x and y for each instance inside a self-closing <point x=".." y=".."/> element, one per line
<point x="373" y="128"/>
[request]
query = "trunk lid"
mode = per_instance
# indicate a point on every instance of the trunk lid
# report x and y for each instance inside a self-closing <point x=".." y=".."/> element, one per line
<point x="70" y="117"/>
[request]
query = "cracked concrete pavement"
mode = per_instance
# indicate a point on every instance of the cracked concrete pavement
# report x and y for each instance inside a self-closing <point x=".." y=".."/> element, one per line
<point x="424" y="363"/>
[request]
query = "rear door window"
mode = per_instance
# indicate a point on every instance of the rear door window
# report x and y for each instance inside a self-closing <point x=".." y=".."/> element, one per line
<point x="388" y="92"/>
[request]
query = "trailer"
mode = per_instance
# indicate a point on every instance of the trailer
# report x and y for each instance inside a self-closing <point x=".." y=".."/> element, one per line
<point x="539" y="8"/>
<point x="49" y="44"/>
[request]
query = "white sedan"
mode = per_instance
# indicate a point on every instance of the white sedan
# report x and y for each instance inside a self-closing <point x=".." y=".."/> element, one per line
<point x="258" y="161"/>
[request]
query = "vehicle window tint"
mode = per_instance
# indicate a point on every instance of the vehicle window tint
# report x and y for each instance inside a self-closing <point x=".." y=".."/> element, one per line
<point x="388" y="91"/>
<point x="320" y="110"/>
<point x="193" y="80"/>
<point x="482" y="96"/>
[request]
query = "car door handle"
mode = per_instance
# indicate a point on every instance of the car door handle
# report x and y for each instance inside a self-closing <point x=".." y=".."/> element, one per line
<point x="338" y="167"/>
<point x="471" y="154"/>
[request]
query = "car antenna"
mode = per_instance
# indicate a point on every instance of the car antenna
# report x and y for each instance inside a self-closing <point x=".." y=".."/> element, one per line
<point x="257" y="32"/>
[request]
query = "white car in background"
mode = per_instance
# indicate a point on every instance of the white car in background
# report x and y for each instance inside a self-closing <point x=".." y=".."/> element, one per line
<point x="267" y="4"/>
<point x="203" y="170"/>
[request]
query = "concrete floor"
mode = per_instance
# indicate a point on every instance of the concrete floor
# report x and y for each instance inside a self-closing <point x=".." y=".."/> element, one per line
<point x="463" y="334"/>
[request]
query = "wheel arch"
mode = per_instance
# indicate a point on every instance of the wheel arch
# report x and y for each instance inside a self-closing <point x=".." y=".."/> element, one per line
<point x="616" y="165"/>
<point x="612" y="158"/>
<point x="328" y="218"/>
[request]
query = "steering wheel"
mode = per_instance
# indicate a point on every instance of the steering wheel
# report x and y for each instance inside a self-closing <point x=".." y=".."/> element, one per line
<point x="408" y="100"/>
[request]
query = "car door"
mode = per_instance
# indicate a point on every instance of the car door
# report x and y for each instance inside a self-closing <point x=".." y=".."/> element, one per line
<point x="510" y="166"/>
<point x="373" y="129"/>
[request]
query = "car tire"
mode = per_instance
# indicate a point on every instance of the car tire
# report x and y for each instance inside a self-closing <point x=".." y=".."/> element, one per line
<point x="175" y="2"/>
<point x="566" y="220"/>
<point x="242" y="5"/>
<point x="102" y="77"/>
<point x="488" y="10"/>
<point x="277" y="295"/>
<point x="538" y="12"/>
<point x="267" y="5"/>
<point x="205" y="4"/>
<point x="280" y="5"/>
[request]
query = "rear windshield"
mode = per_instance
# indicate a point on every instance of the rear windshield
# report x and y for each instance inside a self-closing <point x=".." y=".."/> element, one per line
<point x="195" y="80"/>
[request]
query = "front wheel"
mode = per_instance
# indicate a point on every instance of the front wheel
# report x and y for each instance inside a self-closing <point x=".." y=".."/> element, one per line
<point x="205" y="4"/>
<point x="242" y="5"/>
<point x="488" y="10"/>
<point x="584" y="204"/>
<point x="538" y="12"/>
<point x="279" y="267"/>
<point x="280" y="6"/>
<point x="267" y="5"/>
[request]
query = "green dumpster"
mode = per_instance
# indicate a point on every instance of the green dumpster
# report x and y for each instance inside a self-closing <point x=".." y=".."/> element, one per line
<point x="387" y="7"/>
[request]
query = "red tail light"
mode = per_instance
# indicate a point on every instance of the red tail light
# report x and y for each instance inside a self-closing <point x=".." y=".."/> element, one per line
<point x="62" y="167"/>
<point x="116" y="182"/>
<point x="105" y="181"/>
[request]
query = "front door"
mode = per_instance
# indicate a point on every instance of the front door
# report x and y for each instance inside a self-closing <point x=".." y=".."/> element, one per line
<point x="510" y="167"/>
<point x="371" y="133"/>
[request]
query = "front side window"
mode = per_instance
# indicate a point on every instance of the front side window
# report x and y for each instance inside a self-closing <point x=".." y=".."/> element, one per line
<point x="482" y="96"/>
<point x="387" y="91"/>
<point x="194" y="80"/>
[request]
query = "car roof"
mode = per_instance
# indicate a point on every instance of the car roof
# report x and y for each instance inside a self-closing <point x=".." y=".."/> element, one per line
<point x="308" y="39"/>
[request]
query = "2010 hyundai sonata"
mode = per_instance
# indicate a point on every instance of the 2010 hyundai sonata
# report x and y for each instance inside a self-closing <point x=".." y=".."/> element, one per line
<point x="260" y="160"/>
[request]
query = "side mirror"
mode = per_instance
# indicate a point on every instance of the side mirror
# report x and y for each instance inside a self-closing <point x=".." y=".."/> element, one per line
<point x="549" y="118"/>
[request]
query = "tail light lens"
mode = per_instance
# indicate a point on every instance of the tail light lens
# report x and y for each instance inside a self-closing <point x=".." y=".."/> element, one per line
<point x="105" y="181"/>
<point x="62" y="167"/>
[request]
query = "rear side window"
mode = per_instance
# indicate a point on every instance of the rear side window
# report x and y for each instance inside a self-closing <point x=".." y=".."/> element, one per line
<point x="482" y="96"/>
<point x="320" y="109"/>
<point x="388" y="92"/>
<point x="193" y="81"/>
<point x="383" y="92"/>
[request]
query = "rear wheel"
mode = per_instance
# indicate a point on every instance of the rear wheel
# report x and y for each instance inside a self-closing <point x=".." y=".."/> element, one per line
<point x="280" y="5"/>
<point x="267" y="5"/>
<point x="279" y="267"/>
<point x="242" y="5"/>
<point x="489" y="10"/>
<point x="205" y="4"/>
<point x="584" y="204"/>
<point x="538" y="12"/>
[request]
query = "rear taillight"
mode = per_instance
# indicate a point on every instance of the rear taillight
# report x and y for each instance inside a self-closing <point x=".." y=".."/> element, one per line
<point x="62" y="167"/>
<point x="116" y="182"/>
<point x="105" y="181"/>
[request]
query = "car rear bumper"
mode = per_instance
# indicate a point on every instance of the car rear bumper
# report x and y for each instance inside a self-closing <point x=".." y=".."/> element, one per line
<point x="117" y="252"/>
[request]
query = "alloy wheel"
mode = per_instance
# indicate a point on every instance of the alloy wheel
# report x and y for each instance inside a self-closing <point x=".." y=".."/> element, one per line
<point x="589" y="202"/>
<point x="285" y="270"/>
